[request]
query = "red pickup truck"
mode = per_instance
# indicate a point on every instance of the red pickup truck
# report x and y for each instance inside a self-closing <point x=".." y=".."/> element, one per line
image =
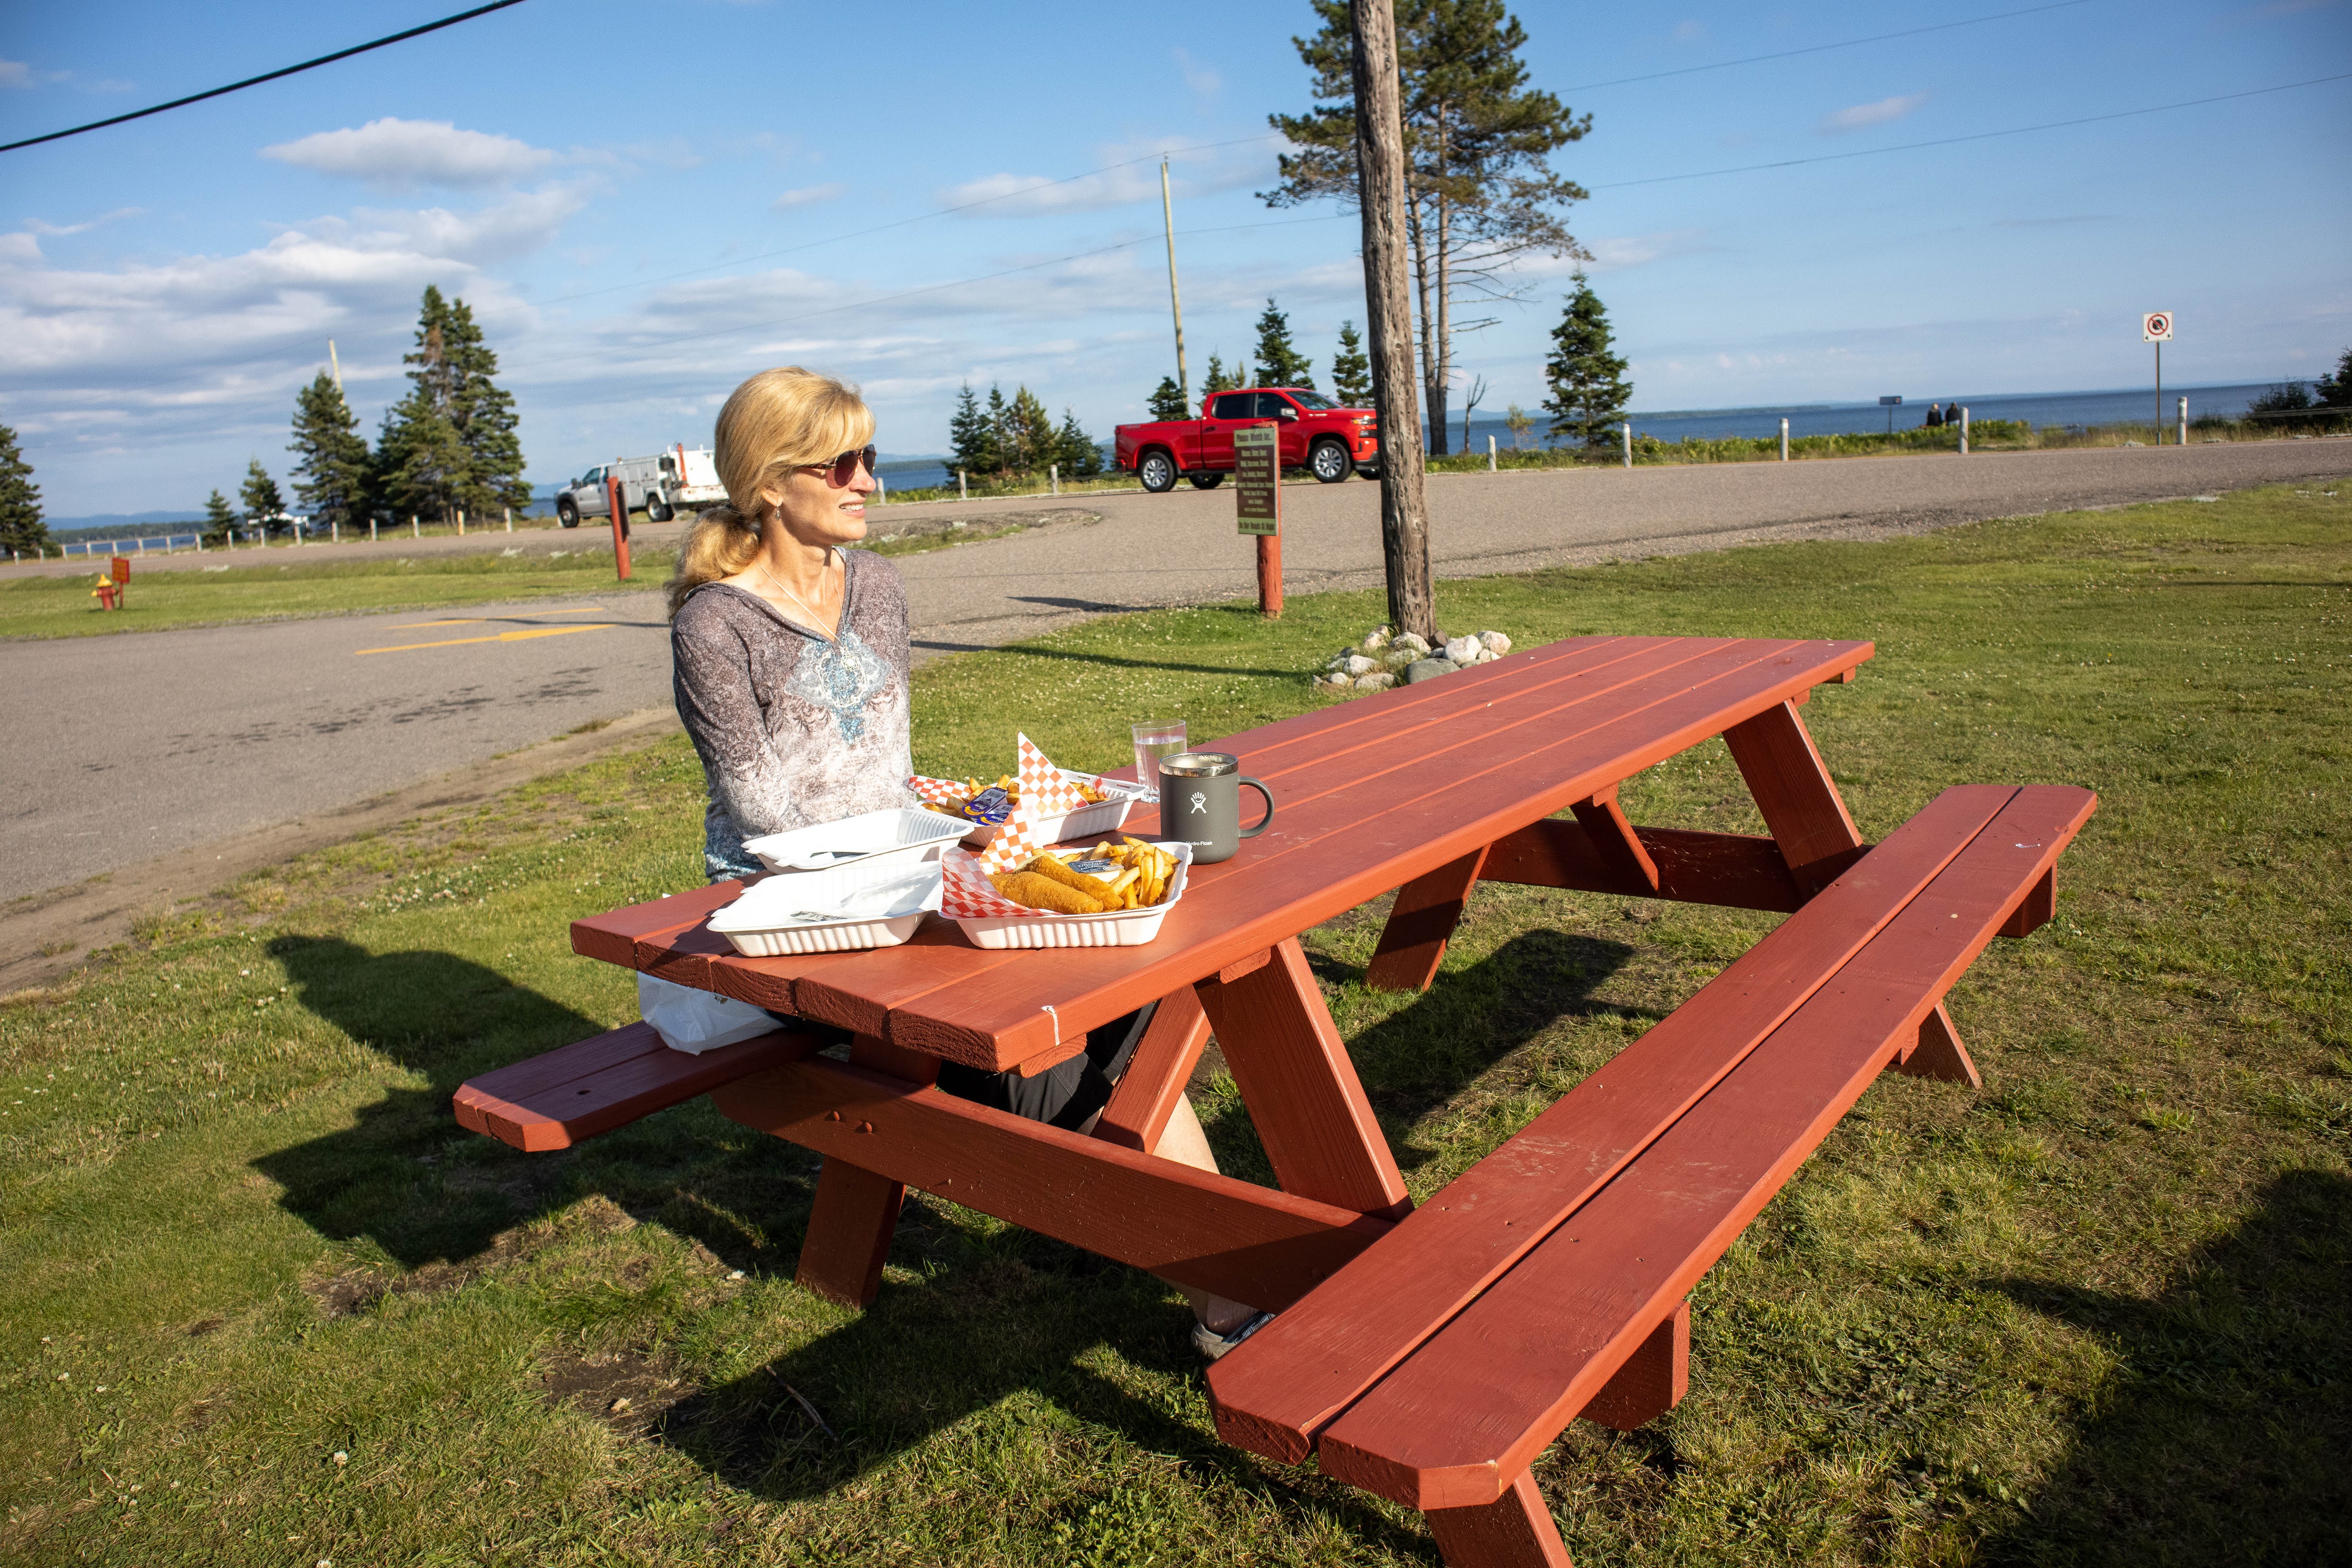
<point x="1318" y="435"/>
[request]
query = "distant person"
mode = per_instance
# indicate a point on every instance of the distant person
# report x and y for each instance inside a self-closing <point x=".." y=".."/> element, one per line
<point x="1935" y="414"/>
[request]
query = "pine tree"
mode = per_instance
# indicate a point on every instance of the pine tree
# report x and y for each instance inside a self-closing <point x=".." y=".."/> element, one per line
<point x="1351" y="370"/>
<point x="2335" y="391"/>
<point x="1075" y="450"/>
<point x="1003" y="455"/>
<point x="1030" y="440"/>
<point x="220" y="518"/>
<point x="483" y="413"/>
<point x="263" y="504"/>
<point x="972" y="436"/>
<point x="1589" y="389"/>
<point x="1167" y="400"/>
<point x="1221" y="379"/>
<point x="21" y="527"/>
<point x="331" y="466"/>
<point x="1279" y="363"/>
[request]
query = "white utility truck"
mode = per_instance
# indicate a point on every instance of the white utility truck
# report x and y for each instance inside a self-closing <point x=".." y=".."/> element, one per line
<point x="664" y="485"/>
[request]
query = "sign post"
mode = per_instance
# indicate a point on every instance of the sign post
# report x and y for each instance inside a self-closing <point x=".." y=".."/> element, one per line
<point x="1257" y="507"/>
<point x="1890" y="405"/>
<point x="2156" y="327"/>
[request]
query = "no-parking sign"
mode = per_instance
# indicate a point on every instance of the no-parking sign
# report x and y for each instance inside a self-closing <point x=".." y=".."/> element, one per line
<point x="2156" y="327"/>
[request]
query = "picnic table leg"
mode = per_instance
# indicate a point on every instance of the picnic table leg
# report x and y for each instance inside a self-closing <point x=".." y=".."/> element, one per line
<point x="1939" y="1054"/>
<point x="1421" y="922"/>
<point x="856" y="1212"/>
<point x="1154" y="1080"/>
<point x="1515" y="1530"/>
<point x="1793" y="790"/>
<point x="1652" y="1382"/>
<point x="1301" y="1090"/>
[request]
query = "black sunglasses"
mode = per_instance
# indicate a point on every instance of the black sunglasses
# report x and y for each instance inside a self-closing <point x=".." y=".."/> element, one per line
<point x="844" y="469"/>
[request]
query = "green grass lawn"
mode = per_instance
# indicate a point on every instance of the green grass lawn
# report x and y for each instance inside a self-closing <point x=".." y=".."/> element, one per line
<point x="258" y="588"/>
<point x="261" y="1301"/>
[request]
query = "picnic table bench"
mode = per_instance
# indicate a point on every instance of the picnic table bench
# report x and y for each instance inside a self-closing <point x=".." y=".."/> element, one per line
<point x="1425" y="1354"/>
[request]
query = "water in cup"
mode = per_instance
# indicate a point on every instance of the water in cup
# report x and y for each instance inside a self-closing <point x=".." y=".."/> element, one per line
<point x="1155" y="739"/>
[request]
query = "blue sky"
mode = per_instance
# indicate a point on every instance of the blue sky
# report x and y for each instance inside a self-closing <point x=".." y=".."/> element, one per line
<point x="646" y="202"/>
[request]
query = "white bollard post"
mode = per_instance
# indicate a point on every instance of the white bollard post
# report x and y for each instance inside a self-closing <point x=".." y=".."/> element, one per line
<point x="1490" y="454"/>
<point x="963" y="490"/>
<point x="371" y="528"/>
<point x="142" y="544"/>
<point x="2184" y="422"/>
<point x="1784" y="440"/>
<point x="414" y="532"/>
<point x="1964" y="432"/>
<point x="881" y="492"/>
<point x="1628" y="443"/>
<point x="461" y="522"/>
<point x="335" y="529"/>
<point x="509" y="511"/>
<point x="1053" y="478"/>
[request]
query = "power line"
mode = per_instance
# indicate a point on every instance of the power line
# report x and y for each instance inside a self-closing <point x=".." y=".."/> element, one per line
<point x="270" y="76"/>
<point x="1974" y="136"/>
<point x="1820" y="48"/>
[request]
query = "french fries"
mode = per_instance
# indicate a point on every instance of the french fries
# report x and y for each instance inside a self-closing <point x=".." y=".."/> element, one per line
<point x="1011" y="788"/>
<point x="1141" y="880"/>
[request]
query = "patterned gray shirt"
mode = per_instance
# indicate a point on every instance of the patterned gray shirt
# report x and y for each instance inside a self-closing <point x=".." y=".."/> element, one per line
<point x="794" y="729"/>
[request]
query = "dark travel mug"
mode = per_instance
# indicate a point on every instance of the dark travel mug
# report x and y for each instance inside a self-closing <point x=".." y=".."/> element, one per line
<point x="1200" y="803"/>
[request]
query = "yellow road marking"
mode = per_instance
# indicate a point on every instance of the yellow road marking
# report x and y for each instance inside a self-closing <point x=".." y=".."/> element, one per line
<point x="501" y="636"/>
<point x="477" y="620"/>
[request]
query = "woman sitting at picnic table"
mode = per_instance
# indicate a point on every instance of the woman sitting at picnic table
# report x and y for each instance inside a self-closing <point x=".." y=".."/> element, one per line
<point x="789" y="665"/>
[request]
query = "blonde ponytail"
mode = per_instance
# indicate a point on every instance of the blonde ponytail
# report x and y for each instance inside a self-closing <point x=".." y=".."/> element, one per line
<point x="777" y="421"/>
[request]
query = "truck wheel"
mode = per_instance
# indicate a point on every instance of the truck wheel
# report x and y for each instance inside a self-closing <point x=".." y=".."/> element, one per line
<point x="566" y="513"/>
<point x="1330" y="462"/>
<point x="657" y="508"/>
<point x="1206" y="481"/>
<point x="1158" y="472"/>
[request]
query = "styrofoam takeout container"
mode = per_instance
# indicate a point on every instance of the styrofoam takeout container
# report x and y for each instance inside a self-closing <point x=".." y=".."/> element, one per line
<point x="843" y="909"/>
<point x="1117" y="928"/>
<point x="879" y="844"/>
<point x="1093" y="821"/>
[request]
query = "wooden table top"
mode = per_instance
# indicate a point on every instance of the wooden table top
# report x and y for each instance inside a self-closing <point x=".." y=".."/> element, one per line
<point x="1370" y="793"/>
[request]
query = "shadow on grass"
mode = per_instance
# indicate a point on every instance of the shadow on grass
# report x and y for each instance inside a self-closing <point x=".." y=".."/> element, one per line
<point x="2224" y="1435"/>
<point x="405" y="1178"/>
<point x="996" y="1319"/>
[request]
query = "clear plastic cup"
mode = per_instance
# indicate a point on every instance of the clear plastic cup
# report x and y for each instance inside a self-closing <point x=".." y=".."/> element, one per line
<point x="1155" y="739"/>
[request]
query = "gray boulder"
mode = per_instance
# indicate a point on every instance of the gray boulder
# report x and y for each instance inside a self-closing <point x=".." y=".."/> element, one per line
<point x="1465" y="650"/>
<point x="1412" y="640"/>
<point x="1380" y="682"/>
<point x="1398" y="657"/>
<point x="1358" y="665"/>
<point x="1428" y="669"/>
<point x="1497" y="642"/>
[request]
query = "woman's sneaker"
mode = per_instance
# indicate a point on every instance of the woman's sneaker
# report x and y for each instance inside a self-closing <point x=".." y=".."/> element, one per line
<point x="1211" y="1344"/>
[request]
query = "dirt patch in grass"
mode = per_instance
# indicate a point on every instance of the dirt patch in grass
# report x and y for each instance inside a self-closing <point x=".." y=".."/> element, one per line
<point x="628" y="1391"/>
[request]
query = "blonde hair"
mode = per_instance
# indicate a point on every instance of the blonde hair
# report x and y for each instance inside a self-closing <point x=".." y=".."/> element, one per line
<point x="777" y="421"/>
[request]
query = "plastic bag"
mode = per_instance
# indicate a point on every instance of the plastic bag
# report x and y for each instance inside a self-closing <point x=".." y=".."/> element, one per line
<point x="696" y="1021"/>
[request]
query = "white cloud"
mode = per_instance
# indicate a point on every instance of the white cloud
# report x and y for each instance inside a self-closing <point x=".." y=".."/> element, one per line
<point x="1862" y="116"/>
<point x="1201" y="79"/>
<point x="20" y="248"/>
<point x="393" y="155"/>
<point x="37" y="227"/>
<point x="1135" y="179"/>
<point x="15" y="73"/>
<point x="513" y="225"/>
<point x="1690" y="32"/>
<point x="807" y="196"/>
<point x="1621" y="251"/>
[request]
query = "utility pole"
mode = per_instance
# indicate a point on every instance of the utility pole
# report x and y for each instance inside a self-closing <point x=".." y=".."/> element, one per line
<point x="1379" y="171"/>
<point x="1175" y="300"/>
<point x="337" y="363"/>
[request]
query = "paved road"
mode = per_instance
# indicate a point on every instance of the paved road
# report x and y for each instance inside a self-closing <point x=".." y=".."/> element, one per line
<point x="133" y="746"/>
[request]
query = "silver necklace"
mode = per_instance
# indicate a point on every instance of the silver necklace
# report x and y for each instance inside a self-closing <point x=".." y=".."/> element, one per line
<point x="815" y="619"/>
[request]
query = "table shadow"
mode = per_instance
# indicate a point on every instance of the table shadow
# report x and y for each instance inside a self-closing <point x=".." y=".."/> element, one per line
<point x="1004" y="1318"/>
<point x="2224" y="1432"/>
<point x="405" y="1178"/>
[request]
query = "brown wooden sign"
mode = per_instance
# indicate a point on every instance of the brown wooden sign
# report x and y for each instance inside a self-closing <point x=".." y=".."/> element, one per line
<point x="1257" y="480"/>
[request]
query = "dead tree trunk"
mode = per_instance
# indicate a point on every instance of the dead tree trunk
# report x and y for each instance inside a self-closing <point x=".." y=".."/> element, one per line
<point x="1380" y="163"/>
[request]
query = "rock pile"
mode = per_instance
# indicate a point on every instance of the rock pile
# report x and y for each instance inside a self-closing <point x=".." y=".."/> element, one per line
<point x="1382" y="660"/>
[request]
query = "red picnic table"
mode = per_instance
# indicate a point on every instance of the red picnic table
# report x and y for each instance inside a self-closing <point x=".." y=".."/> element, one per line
<point x="1427" y="1354"/>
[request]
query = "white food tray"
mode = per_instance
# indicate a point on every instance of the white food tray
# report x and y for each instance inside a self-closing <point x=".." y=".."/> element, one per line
<point x="852" y="910"/>
<point x="1118" y="927"/>
<point x="880" y="844"/>
<point x="1096" y="821"/>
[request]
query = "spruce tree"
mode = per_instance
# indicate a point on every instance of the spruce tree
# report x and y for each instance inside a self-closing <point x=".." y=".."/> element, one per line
<point x="972" y="437"/>
<point x="1279" y="363"/>
<point x="220" y="518"/>
<point x="1003" y="454"/>
<point x="1589" y="389"/>
<point x="1167" y="400"/>
<point x="330" y="457"/>
<point x="1221" y="379"/>
<point x="1075" y="450"/>
<point x="451" y="443"/>
<point x="260" y="496"/>
<point x="1351" y="370"/>
<point x="21" y="527"/>
<point x="2335" y="391"/>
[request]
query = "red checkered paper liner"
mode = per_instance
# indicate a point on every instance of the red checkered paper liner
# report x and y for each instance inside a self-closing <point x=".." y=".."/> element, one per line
<point x="1015" y="841"/>
<point x="939" y="792"/>
<point x="1043" y="786"/>
<point x="965" y="893"/>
